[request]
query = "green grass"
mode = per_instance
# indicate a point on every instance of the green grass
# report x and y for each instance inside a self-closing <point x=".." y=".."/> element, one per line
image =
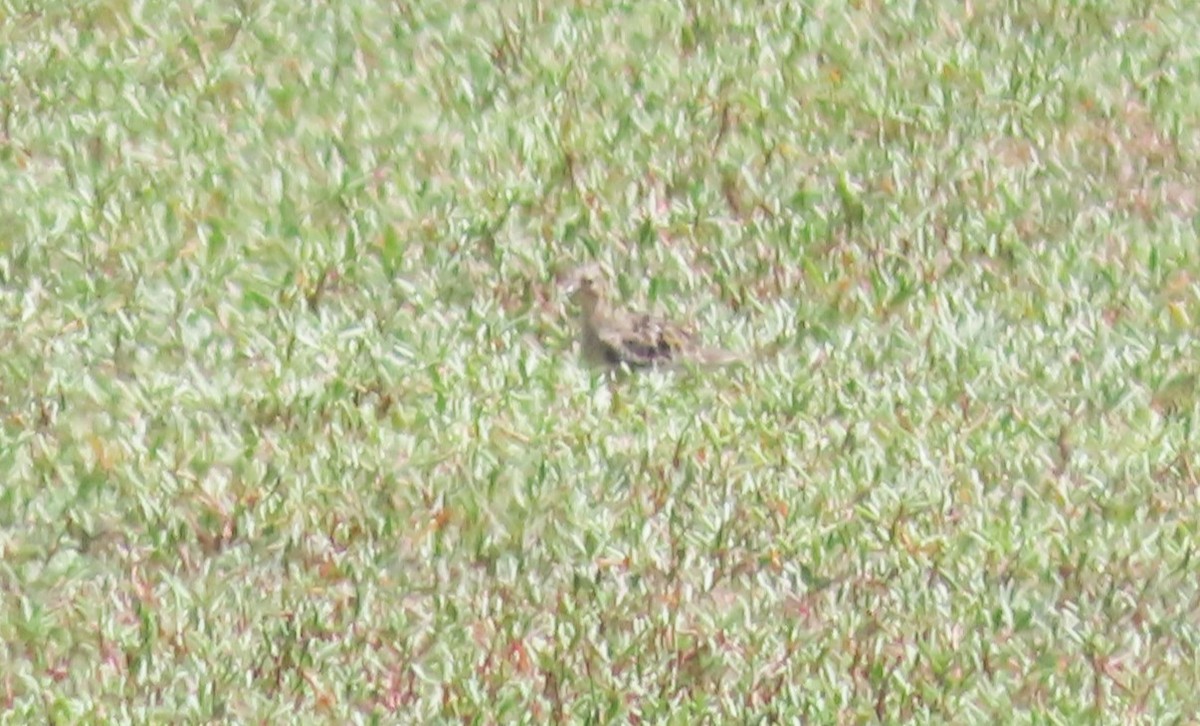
<point x="292" y="428"/>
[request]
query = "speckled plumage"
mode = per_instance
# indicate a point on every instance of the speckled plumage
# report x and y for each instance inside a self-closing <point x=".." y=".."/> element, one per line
<point x="615" y="339"/>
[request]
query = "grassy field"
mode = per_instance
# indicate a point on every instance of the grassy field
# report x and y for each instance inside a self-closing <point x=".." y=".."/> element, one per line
<point x="293" y="427"/>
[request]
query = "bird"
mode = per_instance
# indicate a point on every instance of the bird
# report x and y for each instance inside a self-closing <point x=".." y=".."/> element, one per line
<point x="616" y="339"/>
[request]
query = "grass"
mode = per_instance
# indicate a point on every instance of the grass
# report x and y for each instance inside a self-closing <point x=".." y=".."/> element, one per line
<point x="291" y="428"/>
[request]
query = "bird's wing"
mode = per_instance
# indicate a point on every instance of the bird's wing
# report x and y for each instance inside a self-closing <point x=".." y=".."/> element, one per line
<point x="641" y="341"/>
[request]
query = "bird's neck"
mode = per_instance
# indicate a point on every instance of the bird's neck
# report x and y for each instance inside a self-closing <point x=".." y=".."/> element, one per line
<point x="595" y="310"/>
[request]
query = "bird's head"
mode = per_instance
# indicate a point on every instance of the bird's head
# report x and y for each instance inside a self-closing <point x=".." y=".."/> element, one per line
<point x="588" y="286"/>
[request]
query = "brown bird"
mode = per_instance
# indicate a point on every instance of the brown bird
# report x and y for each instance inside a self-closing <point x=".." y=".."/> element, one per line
<point x="616" y="339"/>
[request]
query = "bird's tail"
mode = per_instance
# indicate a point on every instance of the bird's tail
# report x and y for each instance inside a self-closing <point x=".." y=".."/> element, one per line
<point x="716" y="357"/>
<point x="719" y="357"/>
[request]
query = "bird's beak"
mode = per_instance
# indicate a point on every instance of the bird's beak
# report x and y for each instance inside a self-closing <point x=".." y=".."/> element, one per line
<point x="573" y="279"/>
<point x="569" y="283"/>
